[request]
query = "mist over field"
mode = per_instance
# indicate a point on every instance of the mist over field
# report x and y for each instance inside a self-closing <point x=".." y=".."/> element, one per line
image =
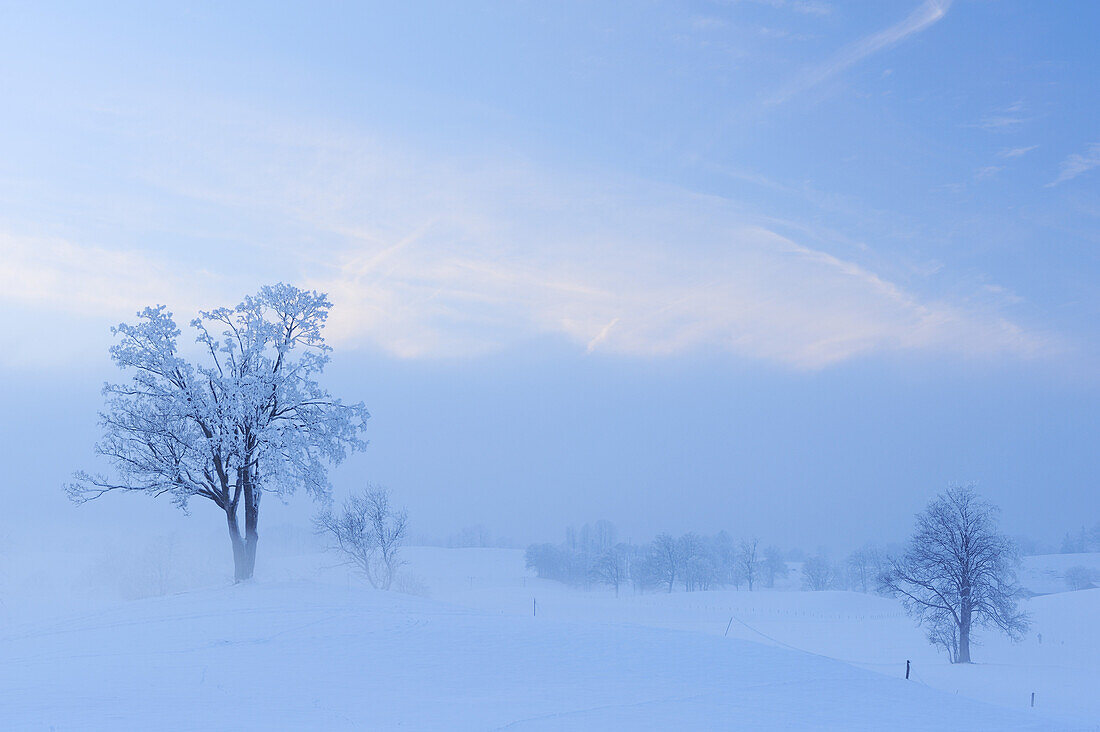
<point x="507" y="366"/>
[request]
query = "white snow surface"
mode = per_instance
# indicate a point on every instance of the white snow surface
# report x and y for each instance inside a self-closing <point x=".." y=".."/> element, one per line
<point x="308" y="646"/>
<point x="1046" y="573"/>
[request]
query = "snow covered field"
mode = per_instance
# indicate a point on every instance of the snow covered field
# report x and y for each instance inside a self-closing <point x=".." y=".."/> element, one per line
<point x="307" y="646"/>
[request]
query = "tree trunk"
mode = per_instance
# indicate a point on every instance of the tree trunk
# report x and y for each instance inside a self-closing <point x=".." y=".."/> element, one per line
<point x="251" y="520"/>
<point x="964" y="634"/>
<point x="241" y="570"/>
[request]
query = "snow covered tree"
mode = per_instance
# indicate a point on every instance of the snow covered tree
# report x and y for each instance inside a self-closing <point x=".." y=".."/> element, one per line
<point x="369" y="533"/>
<point x="246" y="419"/>
<point x="958" y="570"/>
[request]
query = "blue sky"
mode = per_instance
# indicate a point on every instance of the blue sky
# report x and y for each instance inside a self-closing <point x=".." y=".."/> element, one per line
<point x="679" y="265"/>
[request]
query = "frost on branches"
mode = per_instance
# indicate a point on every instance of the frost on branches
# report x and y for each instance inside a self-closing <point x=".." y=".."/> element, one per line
<point x="248" y="418"/>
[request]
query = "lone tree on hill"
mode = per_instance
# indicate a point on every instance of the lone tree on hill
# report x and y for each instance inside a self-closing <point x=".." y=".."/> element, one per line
<point x="249" y="418"/>
<point x="958" y="571"/>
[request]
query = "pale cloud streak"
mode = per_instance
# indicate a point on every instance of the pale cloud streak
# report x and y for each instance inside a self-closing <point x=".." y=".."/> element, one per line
<point x="923" y="17"/>
<point x="425" y="258"/>
<point x="1016" y="152"/>
<point x="1078" y="163"/>
<point x="63" y="276"/>
<point x="1007" y="119"/>
<point x="806" y="7"/>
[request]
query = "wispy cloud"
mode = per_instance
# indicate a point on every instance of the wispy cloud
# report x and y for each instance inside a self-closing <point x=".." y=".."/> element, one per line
<point x="60" y="275"/>
<point x="926" y="15"/>
<point x="1016" y="152"/>
<point x="1005" y="119"/>
<point x="806" y="7"/>
<point x="426" y="257"/>
<point x="987" y="172"/>
<point x="1078" y="163"/>
<point x="1000" y="122"/>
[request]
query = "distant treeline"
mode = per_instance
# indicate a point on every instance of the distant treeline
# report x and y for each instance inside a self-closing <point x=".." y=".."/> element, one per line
<point x="1084" y="541"/>
<point x="594" y="556"/>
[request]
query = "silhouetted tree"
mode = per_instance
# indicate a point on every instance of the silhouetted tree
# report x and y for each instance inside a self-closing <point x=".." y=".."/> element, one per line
<point x="958" y="568"/>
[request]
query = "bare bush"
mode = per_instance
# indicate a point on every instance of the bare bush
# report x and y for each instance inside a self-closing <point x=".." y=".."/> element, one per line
<point x="1081" y="578"/>
<point x="368" y="532"/>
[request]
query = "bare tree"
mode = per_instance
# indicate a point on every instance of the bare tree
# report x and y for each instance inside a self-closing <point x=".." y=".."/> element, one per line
<point x="368" y="533"/>
<point x="958" y="568"/>
<point x="610" y="567"/>
<point x="664" y="560"/>
<point x="696" y="568"/>
<point x="864" y="566"/>
<point x="817" y="573"/>
<point x="470" y="536"/>
<point x="746" y="559"/>
<point x="248" y="419"/>
<point x="1081" y="578"/>
<point x="774" y="565"/>
<point x="944" y="632"/>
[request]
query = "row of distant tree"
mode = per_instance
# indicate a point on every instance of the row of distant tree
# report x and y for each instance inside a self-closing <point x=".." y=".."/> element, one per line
<point x="593" y="556"/>
<point x="957" y="571"/>
<point x="1083" y="541"/>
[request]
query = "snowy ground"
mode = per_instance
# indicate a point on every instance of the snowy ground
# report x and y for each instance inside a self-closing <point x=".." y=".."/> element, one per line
<point x="1046" y="573"/>
<point x="305" y="646"/>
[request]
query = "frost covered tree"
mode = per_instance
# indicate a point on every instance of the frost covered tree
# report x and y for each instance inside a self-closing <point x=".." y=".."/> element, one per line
<point x="246" y="418"/>
<point x="958" y="570"/>
<point x="369" y="533"/>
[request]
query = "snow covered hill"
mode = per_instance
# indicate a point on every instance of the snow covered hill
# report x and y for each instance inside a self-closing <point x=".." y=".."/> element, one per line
<point x="305" y="647"/>
<point x="1045" y="574"/>
<point x="310" y="655"/>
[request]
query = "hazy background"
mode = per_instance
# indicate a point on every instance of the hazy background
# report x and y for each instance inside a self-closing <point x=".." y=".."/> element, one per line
<point x="783" y="268"/>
